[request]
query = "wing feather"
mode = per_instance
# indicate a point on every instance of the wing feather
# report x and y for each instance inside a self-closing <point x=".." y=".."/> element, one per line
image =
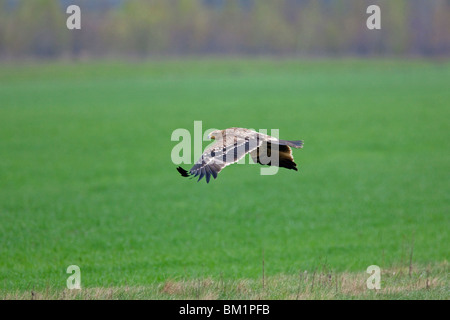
<point x="208" y="173"/>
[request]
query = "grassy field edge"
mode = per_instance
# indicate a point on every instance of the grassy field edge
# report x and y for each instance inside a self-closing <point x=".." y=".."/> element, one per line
<point x="400" y="282"/>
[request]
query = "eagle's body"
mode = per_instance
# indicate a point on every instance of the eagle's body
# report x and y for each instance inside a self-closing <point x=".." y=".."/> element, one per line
<point x="233" y="144"/>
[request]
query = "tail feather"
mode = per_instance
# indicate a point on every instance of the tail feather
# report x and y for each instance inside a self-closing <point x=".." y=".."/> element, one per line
<point x="292" y="143"/>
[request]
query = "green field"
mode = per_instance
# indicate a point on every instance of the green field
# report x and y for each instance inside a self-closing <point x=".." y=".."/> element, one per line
<point x="86" y="176"/>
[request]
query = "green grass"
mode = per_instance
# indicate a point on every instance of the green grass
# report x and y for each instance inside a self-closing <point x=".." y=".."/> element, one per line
<point x="86" y="176"/>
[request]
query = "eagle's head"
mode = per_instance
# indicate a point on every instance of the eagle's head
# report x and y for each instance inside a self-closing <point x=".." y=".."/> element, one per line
<point x="214" y="134"/>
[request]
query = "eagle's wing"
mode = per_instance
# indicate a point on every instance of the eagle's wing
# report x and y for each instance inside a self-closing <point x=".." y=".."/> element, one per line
<point x="224" y="152"/>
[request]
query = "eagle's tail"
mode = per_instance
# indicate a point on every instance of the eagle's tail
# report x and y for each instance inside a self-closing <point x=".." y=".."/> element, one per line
<point x="183" y="172"/>
<point x="292" y="143"/>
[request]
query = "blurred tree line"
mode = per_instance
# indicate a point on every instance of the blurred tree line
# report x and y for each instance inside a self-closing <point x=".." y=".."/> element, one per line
<point x="37" y="28"/>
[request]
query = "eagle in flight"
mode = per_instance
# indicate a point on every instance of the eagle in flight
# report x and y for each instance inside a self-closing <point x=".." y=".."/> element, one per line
<point x="233" y="144"/>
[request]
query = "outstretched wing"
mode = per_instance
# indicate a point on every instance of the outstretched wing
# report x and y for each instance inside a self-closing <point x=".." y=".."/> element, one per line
<point x="223" y="153"/>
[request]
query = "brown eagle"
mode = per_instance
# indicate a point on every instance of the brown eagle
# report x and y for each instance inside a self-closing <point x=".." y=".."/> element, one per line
<point x="233" y="144"/>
